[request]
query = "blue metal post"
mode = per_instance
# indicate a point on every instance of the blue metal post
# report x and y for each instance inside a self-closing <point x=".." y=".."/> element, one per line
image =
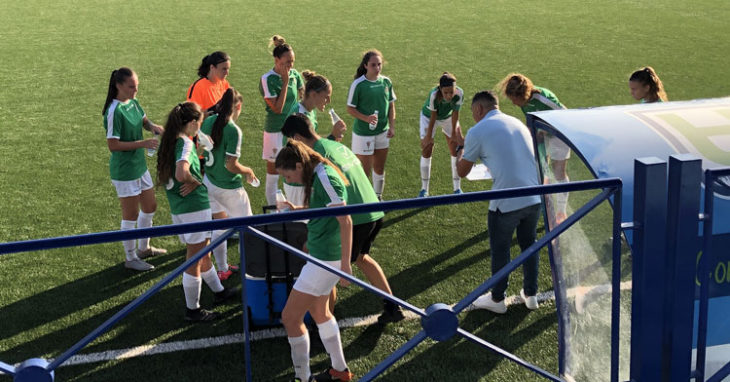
<point x="616" y="286"/>
<point x="704" y="277"/>
<point x="244" y="301"/>
<point x="649" y="252"/>
<point x="683" y="208"/>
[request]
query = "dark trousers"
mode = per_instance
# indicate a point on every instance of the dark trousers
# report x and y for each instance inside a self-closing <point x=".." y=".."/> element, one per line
<point x="501" y="227"/>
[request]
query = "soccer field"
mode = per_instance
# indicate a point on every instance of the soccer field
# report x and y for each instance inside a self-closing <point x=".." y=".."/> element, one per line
<point x="56" y="58"/>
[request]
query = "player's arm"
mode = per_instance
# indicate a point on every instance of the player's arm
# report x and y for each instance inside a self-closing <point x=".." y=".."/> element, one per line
<point x="391" y="119"/>
<point x="346" y="243"/>
<point x="277" y="104"/>
<point x="235" y="167"/>
<point x="184" y="176"/>
<point x="454" y="122"/>
<point x="115" y="144"/>
<point x="352" y="110"/>
<point x="153" y="127"/>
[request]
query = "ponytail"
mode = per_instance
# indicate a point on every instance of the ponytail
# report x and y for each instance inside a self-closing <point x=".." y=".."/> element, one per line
<point x="295" y="152"/>
<point x="314" y="82"/>
<point x="118" y="76"/>
<point x="361" y="70"/>
<point x="180" y="115"/>
<point x="647" y="76"/>
<point x="214" y="59"/>
<point x="224" y="109"/>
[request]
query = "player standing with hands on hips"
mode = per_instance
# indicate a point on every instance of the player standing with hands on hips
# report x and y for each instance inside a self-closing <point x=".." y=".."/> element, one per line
<point x="504" y="144"/>
<point x="124" y="120"/>
<point x="281" y="88"/>
<point x="329" y="239"/>
<point x="441" y="109"/>
<point x="371" y="101"/>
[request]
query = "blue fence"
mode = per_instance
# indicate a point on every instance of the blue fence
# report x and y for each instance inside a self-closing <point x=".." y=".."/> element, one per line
<point x="439" y="321"/>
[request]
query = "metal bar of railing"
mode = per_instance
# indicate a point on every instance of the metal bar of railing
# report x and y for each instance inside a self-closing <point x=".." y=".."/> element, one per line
<point x="721" y="374"/>
<point x="506" y="354"/>
<point x="704" y="278"/>
<point x="616" y="285"/>
<point x="135" y="303"/>
<point x="530" y="251"/>
<point x="244" y="301"/>
<point x="7" y="369"/>
<point x="395" y="356"/>
<point x="218" y="224"/>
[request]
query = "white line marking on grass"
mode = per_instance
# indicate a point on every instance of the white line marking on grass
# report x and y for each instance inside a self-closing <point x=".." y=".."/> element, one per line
<point x="202" y="343"/>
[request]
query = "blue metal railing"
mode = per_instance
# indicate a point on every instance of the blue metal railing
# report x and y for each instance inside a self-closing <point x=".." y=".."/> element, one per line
<point x="704" y="278"/>
<point x="439" y="321"/>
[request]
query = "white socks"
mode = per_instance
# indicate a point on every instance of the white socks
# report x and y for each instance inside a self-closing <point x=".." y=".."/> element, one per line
<point x="425" y="173"/>
<point x="211" y="280"/>
<point x="378" y="183"/>
<point x="272" y="183"/>
<point x="456" y="179"/>
<point x="329" y="333"/>
<point x="220" y="252"/>
<point x="561" y="199"/>
<point x="144" y="220"/>
<point x="191" y="287"/>
<point x="129" y="245"/>
<point x="300" y="356"/>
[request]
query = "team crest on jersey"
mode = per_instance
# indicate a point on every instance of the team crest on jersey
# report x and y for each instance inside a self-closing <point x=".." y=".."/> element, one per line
<point x="703" y="131"/>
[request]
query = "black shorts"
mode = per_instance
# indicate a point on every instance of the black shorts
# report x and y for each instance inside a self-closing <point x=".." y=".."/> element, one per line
<point x="363" y="235"/>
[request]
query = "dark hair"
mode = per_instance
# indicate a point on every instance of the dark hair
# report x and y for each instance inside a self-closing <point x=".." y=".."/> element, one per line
<point x="517" y="85"/>
<point x="297" y="152"/>
<point x="314" y="82"/>
<point x="280" y="46"/>
<point x="118" y="76"/>
<point x="361" y="70"/>
<point x="214" y="59"/>
<point x="647" y="76"/>
<point x="446" y="80"/>
<point x="176" y="121"/>
<point x="486" y="97"/>
<point x="224" y="110"/>
<point x="298" y="124"/>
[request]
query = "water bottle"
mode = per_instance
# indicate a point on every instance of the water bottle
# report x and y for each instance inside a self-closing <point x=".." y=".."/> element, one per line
<point x="335" y="118"/>
<point x="373" y="125"/>
<point x="205" y="141"/>
<point x="280" y="200"/>
<point x="151" y="152"/>
<point x="255" y="183"/>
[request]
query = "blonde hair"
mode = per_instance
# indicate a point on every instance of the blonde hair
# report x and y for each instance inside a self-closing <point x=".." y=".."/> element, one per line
<point x="516" y="85"/>
<point x="647" y="76"/>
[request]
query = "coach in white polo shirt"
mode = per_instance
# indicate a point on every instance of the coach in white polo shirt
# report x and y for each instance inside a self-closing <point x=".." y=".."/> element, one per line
<point x="504" y="144"/>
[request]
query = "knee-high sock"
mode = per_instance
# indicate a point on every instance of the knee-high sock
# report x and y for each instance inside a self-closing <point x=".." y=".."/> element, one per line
<point x="329" y="332"/>
<point x="455" y="178"/>
<point x="144" y="220"/>
<point x="191" y="287"/>
<point x="211" y="280"/>
<point x="561" y="199"/>
<point x="220" y="252"/>
<point x="129" y="245"/>
<point x="425" y="173"/>
<point x="272" y="183"/>
<point x="378" y="182"/>
<point x="300" y="355"/>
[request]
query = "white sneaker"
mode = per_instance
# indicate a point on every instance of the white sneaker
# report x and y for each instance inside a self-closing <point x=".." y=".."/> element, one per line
<point x="138" y="265"/>
<point x="530" y="301"/>
<point x="486" y="302"/>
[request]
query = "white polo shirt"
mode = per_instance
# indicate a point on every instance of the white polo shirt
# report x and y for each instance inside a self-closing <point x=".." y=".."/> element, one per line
<point x="504" y="145"/>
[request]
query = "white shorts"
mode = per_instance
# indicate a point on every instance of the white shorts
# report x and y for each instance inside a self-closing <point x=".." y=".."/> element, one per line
<point x="294" y="194"/>
<point x="193" y="217"/>
<point x="557" y="149"/>
<point x="367" y="144"/>
<point x="445" y="125"/>
<point x="234" y="202"/>
<point x="127" y="188"/>
<point x="316" y="281"/>
<point x="272" y="144"/>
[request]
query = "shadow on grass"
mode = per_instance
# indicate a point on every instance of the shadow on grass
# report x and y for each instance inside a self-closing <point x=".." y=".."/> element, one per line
<point x="439" y="361"/>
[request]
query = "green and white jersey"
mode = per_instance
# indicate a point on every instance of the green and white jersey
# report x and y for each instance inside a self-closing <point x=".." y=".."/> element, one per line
<point x="196" y="200"/>
<point x="360" y="190"/>
<point x="442" y="107"/>
<point x="312" y="115"/>
<point x="367" y="96"/>
<point x="215" y="162"/>
<point x="543" y="99"/>
<point x="323" y="236"/>
<point x="123" y="121"/>
<point x="270" y="87"/>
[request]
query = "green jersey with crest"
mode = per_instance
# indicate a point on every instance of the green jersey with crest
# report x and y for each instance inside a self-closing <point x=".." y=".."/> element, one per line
<point x="270" y="87"/>
<point x="196" y="200"/>
<point x="123" y="121"/>
<point x="367" y="97"/>
<point x="215" y="161"/>
<point x="442" y="107"/>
